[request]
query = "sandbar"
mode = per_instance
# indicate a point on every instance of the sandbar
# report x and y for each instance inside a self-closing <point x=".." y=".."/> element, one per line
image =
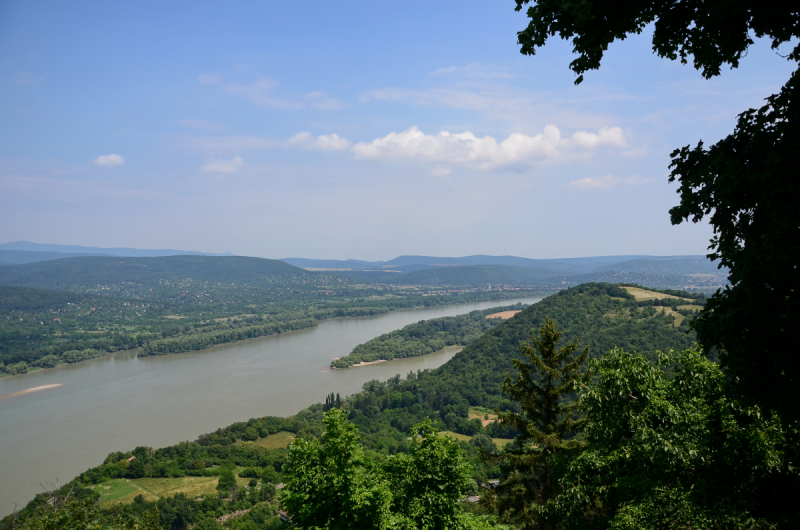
<point x="504" y="314"/>
<point x="30" y="390"/>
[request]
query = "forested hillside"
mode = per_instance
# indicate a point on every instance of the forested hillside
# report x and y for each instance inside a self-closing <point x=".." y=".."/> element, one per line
<point x="138" y="276"/>
<point x="599" y="315"/>
<point x="424" y="337"/>
<point x="480" y="274"/>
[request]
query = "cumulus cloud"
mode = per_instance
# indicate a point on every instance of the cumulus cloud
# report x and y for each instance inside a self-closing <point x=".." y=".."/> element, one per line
<point x="326" y="142"/>
<point x="223" y="166"/>
<point x="483" y="152"/>
<point x="111" y="160"/>
<point x="606" y="136"/>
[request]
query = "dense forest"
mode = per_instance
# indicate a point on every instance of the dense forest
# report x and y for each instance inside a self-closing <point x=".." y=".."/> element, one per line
<point x="424" y="337"/>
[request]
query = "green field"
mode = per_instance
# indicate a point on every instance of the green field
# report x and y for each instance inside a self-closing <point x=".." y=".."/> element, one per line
<point x="276" y="441"/>
<point x="499" y="442"/>
<point x="123" y="491"/>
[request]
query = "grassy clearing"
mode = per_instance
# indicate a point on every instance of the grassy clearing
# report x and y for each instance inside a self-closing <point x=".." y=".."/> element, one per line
<point x="113" y="491"/>
<point x="460" y="437"/>
<point x="481" y="413"/>
<point x="643" y="294"/>
<point x="191" y="486"/>
<point x="275" y="441"/>
<point x="499" y="442"/>
<point x="669" y="311"/>
<point x="123" y="491"/>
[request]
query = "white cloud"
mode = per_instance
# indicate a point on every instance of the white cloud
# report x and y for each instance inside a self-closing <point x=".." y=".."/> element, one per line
<point x="326" y="142"/>
<point x="607" y="181"/>
<point x="111" y="160"/>
<point x="605" y="136"/>
<point x="441" y="172"/>
<point x="223" y="166"/>
<point x="486" y="152"/>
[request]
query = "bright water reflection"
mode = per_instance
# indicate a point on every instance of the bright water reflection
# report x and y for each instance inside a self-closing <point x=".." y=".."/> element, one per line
<point x="121" y="402"/>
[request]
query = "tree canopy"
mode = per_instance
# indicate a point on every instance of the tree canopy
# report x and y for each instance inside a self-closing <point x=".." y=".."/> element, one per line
<point x="712" y="32"/>
<point x="666" y="448"/>
<point x="745" y="184"/>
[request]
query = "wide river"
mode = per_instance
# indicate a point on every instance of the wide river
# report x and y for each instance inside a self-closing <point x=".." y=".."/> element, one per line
<point x="119" y="402"/>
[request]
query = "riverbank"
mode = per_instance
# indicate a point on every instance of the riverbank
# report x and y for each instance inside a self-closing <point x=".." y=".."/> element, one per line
<point x="446" y="349"/>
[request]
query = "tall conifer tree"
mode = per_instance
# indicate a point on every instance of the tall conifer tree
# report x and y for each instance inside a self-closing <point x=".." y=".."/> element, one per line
<point x="544" y="385"/>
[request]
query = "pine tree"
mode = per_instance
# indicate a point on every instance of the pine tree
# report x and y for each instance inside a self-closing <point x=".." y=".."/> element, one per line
<point x="544" y="388"/>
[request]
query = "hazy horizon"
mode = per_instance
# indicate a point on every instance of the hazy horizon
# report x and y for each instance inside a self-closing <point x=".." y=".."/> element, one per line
<point x="68" y="248"/>
<point x="345" y="132"/>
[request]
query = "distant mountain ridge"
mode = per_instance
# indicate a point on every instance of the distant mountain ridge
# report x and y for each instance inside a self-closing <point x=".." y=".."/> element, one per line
<point x="18" y="257"/>
<point x="77" y="250"/>
<point x="692" y="271"/>
<point x="89" y="272"/>
<point x="572" y="265"/>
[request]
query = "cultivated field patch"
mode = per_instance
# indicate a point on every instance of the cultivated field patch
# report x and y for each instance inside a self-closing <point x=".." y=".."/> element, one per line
<point x="644" y="294"/>
<point x="115" y="489"/>
<point x="499" y="442"/>
<point x="481" y="413"/>
<point x="277" y="440"/>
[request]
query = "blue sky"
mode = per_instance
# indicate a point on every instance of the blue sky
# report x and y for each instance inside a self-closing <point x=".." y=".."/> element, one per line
<point x="344" y="130"/>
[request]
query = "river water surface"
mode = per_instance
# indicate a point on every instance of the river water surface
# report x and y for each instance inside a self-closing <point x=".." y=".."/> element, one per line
<point x="119" y="402"/>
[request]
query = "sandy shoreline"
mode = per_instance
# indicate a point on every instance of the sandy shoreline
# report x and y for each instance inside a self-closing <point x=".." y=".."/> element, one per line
<point x="29" y="390"/>
<point x="505" y="315"/>
<point x="365" y="363"/>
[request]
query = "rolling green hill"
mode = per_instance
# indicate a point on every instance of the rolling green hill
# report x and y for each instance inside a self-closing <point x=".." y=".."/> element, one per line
<point x="463" y="275"/>
<point x="92" y="272"/>
<point x="673" y="266"/>
<point x="600" y="315"/>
